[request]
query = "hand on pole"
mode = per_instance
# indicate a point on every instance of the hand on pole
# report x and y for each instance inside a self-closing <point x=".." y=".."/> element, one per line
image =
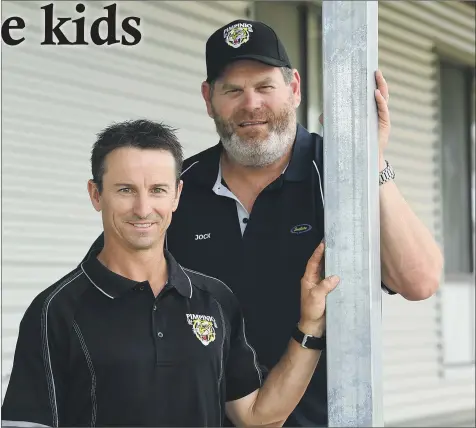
<point x="381" y="97"/>
<point x="314" y="290"/>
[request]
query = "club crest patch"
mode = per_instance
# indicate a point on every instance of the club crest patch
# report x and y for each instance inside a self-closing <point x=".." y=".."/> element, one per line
<point x="237" y="34"/>
<point x="203" y="326"/>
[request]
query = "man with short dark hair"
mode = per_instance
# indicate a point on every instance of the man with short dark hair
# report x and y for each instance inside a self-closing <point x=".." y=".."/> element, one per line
<point x="132" y="338"/>
<point x="252" y="208"/>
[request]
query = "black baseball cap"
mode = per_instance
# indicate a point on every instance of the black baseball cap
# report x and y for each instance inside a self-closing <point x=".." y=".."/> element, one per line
<point x="243" y="39"/>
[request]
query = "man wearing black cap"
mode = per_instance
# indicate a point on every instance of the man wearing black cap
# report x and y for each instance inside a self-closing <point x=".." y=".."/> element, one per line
<point x="252" y="207"/>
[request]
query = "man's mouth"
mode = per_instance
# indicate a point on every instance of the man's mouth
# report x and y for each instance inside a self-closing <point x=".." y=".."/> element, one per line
<point x="142" y="225"/>
<point x="252" y="123"/>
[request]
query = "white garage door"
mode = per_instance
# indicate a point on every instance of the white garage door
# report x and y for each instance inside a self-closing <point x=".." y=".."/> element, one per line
<point x="56" y="98"/>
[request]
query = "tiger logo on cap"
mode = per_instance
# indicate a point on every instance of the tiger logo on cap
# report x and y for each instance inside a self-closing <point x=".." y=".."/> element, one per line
<point x="237" y="34"/>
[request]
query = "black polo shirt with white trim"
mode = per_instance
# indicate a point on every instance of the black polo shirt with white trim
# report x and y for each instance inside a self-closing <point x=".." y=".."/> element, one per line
<point x="97" y="349"/>
<point x="261" y="255"/>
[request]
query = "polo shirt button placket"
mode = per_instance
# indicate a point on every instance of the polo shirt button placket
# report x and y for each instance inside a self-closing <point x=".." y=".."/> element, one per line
<point x="159" y="335"/>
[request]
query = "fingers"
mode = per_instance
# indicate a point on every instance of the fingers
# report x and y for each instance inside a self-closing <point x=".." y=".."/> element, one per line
<point x="382" y="106"/>
<point x="382" y="103"/>
<point x="319" y="292"/>
<point x="382" y="85"/>
<point x="325" y="286"/>
<point x="314" y="265"/>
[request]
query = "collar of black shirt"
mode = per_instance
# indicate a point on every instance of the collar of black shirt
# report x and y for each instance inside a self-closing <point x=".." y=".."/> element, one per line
<point x="114" y="285"/>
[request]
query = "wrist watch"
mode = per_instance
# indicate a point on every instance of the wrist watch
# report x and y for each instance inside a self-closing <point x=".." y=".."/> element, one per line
<point x="308" y="341"/>
<point x="386" y="174"/>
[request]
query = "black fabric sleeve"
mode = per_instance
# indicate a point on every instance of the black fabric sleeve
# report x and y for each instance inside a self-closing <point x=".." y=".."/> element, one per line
<point x="36" y="387"/>
<point x="243" y="375"/>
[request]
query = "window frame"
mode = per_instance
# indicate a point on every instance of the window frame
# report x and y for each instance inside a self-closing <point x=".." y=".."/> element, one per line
<point x="462" y="282"/>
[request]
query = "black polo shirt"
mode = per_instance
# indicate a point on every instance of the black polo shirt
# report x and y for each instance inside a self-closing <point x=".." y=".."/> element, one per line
<point x="97" y="349"/>
<point x="261" y="255"/>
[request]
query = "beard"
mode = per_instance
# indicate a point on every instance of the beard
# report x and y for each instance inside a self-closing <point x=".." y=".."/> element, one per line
<point x="260" y="146"/>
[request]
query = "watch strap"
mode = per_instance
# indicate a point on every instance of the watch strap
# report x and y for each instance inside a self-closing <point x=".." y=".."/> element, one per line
<point x="386" y="174"/>
<point x="308" y="341"/>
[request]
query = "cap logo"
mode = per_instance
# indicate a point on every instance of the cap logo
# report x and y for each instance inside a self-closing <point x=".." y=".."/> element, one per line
<point x="237" y="34"/>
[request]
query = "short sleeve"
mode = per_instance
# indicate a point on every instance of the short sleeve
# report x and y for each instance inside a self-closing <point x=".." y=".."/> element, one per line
<point x="387" y="290"/>
<point x="35" y="389"/>
<point x="243" y="375"/>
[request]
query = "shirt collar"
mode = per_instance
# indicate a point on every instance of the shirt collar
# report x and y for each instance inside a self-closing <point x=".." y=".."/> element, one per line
<point x="206" y="170"/>
<point x="301" y="157"/>
<point x="114" y="285"/>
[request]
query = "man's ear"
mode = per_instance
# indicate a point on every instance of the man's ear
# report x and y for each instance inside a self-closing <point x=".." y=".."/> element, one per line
<point x="178" y="193"/>
<point x="296" y="88"/>
<point x="94" y="195"/>
<point x="206" y="94"/>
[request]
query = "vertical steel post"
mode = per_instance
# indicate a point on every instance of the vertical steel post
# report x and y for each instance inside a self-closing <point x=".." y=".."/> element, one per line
<point x="352" y="226"/>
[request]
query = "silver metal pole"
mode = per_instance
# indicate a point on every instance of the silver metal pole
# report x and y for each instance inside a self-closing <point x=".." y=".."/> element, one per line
<point x="352" y="227"/>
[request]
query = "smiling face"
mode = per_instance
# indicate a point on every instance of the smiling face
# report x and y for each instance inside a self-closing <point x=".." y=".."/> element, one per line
<point x="138" y="197"/>
<point x="254" y="110"/>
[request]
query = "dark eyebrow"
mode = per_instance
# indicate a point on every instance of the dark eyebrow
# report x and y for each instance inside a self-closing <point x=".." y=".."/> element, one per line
<point x="123" y="185"/>
<point x="131" y="185"/>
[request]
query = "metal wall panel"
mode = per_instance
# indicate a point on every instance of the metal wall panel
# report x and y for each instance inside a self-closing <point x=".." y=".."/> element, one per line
<point x="56" y="98"/>
<point x="412" y="36"/>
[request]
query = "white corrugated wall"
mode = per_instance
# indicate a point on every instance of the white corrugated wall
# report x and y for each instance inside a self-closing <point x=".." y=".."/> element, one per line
<point x="56" y="98"/>
<point x="412" y="35"/>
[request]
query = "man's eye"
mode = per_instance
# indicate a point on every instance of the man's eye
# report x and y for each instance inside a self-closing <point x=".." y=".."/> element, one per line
<point x="231" y="91"/>
<point x="125" y="190"/>
<point x="158" y="190"/>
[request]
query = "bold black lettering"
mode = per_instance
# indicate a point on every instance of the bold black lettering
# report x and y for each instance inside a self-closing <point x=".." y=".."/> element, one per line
<point x="111" y="27"/>
<point x="80" y="36"/>
<point x="8" y="25"/>
<point x="134" y="32"/>
<point x="50" y="30"/>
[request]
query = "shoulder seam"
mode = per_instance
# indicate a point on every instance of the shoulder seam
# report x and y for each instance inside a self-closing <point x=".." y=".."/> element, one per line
<point x="320" y="181"/>
<point x="211" y="277"/>
<point x="183" y="172"/>
<point x="89" y="362"/>
<point x="189" y="280"/>
<point x="44" y="339"/>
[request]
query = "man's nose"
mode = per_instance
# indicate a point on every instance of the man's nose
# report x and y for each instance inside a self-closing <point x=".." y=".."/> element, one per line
<point x="142" y="206"/>
<point x="251" y="100"/>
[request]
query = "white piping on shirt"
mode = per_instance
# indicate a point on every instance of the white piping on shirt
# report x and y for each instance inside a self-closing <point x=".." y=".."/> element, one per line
<point x="46" y="349"/>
